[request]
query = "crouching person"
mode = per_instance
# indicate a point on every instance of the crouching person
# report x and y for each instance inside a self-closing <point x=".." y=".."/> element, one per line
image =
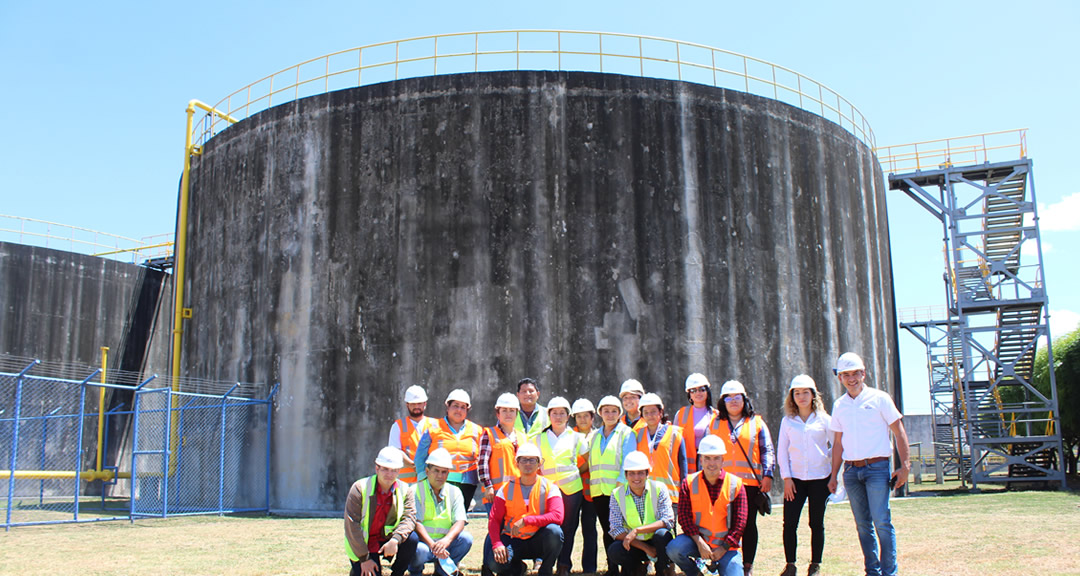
<point x="440" y="519"/>
<point x="524" y="520"/>
<point x="379" y="519"/>
<point x="712" y="514"/>
<point x="642" y="520"/>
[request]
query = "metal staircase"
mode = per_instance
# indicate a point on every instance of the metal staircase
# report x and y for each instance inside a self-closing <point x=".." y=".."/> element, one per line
<point x="981" y="358"/>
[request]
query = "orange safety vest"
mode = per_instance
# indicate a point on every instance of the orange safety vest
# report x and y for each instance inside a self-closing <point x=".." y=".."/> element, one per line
<point x="410" y="434"/>
<point x="684" y="419"/>
<point x="734" y="461"/>
<point x="585" y="473"/>
<point x="464" y="447"/>
<point x="517" y="508"/>
<point x="665" y="459"/>
<point x="637" y="425"/>
<point x="502" y="466"/>
<point x="713" y="519"/>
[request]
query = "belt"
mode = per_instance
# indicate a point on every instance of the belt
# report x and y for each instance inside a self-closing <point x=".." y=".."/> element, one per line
<point x="866" y="461"/>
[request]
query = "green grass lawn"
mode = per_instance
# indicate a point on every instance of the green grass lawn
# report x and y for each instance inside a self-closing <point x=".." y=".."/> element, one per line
<point x="958" y="534"/>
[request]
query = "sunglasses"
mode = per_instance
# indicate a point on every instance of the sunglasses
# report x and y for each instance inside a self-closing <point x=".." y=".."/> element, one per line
<point x="731" y="399"/>
<point x="699" y="389"/>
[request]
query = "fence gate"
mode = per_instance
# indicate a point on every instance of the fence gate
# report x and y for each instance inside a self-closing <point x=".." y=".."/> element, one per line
<point x="151" y="453"/>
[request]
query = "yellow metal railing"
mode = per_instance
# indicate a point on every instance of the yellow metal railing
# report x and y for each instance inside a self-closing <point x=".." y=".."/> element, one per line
<point x="961" y="151"/>
<point x="629" y="54"/>
<point x="82" y="240"/>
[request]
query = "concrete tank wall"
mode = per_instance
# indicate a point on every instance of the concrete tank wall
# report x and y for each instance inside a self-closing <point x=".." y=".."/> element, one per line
<point x="579" y="228"/>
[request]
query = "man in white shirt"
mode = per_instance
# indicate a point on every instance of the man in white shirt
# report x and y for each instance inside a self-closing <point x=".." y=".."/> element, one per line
<point x="861" y="421"/>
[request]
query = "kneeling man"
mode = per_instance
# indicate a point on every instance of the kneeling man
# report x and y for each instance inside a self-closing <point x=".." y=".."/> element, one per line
<point x="641" y="520"/>
<point x="712" y="514"/>
<point x="379" y="518"/>
<point x="525" y="520"/>
<point x="440" y="519"/>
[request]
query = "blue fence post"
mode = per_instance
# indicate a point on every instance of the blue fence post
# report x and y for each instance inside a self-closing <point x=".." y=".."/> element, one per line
<point x="221" y="455"/>
<point x="167" y="453"/>
<point x="15" y="441"/>
<point x="44" y="440"/>
<point x="269" y="422"/>
<point x="79" y="445"/>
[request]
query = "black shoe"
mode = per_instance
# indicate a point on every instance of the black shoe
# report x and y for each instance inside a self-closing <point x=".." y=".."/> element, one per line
<point x="789" y="570"/>
<point x="814" y="570"/>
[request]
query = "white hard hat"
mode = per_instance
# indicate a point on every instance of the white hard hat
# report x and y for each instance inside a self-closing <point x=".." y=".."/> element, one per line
<point x="696" y="380"/>
<point x="609" y="401"/>
<point x="390" y="457"/>
<point x="581" y="406"/>
<point x="415" y="395"/>
<point x="441" y="457"/>
<point x="732" y="387"/>
<point x="803" y="381"/>
<point x="847" y="362"/>
<point x="508" y="400"/>
<point x="527" y="450"/>
<point x="711" y="445"/>
<point x="650" y="399"/>
<point x="460" y="396"/>
<point x="631" y="387"/>
<point x="559" y="402"/>
<point x="636" y="460"/>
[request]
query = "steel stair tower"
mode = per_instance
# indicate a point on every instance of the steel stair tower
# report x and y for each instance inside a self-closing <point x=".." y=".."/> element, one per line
<point x="981" y="358"/>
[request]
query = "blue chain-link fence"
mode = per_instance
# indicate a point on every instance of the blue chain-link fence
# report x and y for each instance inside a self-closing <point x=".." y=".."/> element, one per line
<point x="66" y="456"/>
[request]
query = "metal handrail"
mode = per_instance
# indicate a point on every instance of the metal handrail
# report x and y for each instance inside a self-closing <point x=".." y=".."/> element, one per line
<point x="959" y="151"/>
<point x="559" y="49"/>
<point x="82" y="240"/>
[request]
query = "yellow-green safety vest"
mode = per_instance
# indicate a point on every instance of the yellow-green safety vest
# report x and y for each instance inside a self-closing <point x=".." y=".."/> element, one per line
<point x="367" y="488"/>
<point x="437" y="522"/>
<point x="605" y="464"/>
<point x="561" y="467"/>
<point x="631" y="518"/>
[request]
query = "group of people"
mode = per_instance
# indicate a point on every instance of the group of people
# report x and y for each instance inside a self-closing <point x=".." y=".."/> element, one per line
<point x="545" y="471"/>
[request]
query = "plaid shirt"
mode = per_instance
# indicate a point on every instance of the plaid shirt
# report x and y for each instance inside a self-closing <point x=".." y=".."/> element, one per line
<point x="686" y="512"/>
<point x="483" y="464"/>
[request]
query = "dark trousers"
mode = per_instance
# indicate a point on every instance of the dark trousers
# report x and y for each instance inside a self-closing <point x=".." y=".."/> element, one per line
<point x="571" y="516"/>
<point x="405" y="552"/>
<point x="626" y="559"/>
<point x="750" y="535"/>
<point x="603" y="514"/>
<point x="467" y="492"/>
<point x="588" y="537"/>
<point x="817" y="491"/>
<point x="545" y="544"/>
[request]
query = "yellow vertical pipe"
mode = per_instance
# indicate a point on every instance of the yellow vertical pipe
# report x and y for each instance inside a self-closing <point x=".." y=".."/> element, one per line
<point x="101" y="407"/>
<point x="180" y="250"/>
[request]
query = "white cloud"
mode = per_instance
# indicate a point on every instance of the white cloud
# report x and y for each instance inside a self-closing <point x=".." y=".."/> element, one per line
<point x="1027" y="250"/>
<point x="1062" y="322"/>
<point x="1061" y="216"/>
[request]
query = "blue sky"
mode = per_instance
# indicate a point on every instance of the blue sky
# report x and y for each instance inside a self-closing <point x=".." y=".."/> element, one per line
<point x="94" y="93"/>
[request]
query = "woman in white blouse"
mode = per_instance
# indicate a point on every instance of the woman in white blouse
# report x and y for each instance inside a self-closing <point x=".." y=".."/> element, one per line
<point x="804" y="455"/>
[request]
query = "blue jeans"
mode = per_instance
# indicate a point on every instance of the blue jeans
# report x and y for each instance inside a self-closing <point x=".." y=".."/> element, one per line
<point x="545" y="544"/>
<point x="683" y="550"/>
<point x="623" y="558"/>
<point x="457" y="549"/>
<point x="868" y="491"/>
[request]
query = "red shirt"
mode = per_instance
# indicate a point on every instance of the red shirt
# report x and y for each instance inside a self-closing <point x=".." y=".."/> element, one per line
<point x="383" y="503"/>
<point x="686" y="513"/>
<point x="554" y="515"/>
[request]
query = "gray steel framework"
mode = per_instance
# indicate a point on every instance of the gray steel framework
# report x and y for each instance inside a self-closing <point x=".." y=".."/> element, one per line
<point x="943" y="355"/>
<point x="997" y="314"/>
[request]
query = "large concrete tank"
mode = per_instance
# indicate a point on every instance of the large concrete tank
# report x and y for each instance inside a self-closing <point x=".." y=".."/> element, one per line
<point x="580" y="228"/>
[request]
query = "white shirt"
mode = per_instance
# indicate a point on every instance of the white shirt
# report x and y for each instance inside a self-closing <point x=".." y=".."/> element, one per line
<point x="864" y="421"/>
<point x="804" y="450"/>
